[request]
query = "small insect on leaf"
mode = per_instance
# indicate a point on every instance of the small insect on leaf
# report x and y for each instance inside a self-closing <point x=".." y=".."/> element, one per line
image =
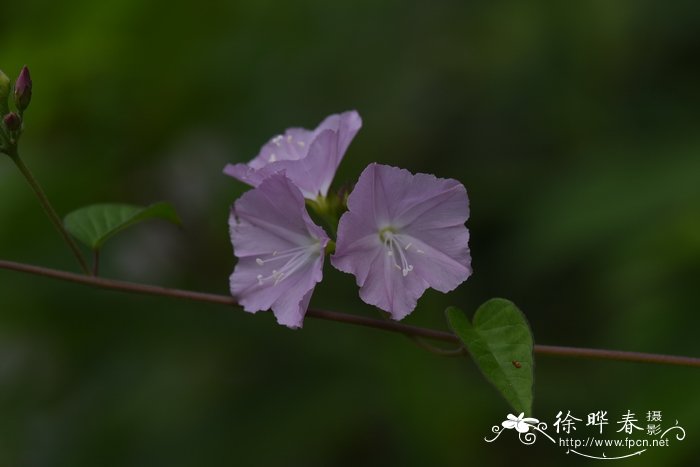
<point x="500" y="343"/>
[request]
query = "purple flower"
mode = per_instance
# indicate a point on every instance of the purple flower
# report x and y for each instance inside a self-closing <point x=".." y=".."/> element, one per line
<point x="403" y="233"/>
<point x="309" y="158"/>
<point x="280" y="251"/>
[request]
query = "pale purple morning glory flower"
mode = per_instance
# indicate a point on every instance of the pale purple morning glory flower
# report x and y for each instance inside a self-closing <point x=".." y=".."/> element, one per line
<point x="309" y="158"/>
<point x="403" y="233"/>
<point x="280" y="251"/>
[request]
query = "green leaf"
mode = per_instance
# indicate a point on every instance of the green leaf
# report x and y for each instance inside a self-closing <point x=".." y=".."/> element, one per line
<point x="94" y="224"/>
<point x="500" y="342"/>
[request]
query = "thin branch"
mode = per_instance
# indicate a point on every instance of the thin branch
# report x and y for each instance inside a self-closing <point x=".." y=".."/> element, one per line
<point x="48" y="209"/>
<point x="620" y="355"/>
<point x="392" y="326"/>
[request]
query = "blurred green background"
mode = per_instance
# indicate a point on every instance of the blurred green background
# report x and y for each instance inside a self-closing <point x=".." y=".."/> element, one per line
<point x="575" y="127"/>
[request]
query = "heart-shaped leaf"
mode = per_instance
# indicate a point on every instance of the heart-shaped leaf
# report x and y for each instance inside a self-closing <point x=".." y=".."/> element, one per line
<point x="94" y="224"/>
<point x="500" y="342"/>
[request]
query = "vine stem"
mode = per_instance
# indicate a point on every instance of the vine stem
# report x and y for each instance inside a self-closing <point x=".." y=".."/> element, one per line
<point x="96" y="262"/>
<point x="392" y="326"/>
<point x="48" y="208"/>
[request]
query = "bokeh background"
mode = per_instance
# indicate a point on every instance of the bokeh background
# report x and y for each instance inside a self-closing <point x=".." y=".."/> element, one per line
<point x="575" y="127"/>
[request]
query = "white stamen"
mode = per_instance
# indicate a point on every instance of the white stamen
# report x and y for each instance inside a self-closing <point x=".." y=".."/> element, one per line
<point x="277" y="140"/>
<point x="289" y="138"/>
<point x="273" y="157"/>
<point x="296" y="259"/>
<point x="394" y="245"/>
<point x="301" y="144"/>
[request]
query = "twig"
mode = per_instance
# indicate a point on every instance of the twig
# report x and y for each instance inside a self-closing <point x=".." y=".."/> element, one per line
<point x="48" y="208"/>
<point x="392" y="326"/>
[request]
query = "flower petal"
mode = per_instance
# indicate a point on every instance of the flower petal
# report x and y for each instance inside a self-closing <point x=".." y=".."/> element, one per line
<point x="265" y="221"/>
<point x="387" y="288"/>
<point x="440" y="257"/>
<point x="292" y="145"/>
<point x="312" y="174"/>
<point x="371" y="198"/>
<point x="346" y="125"/>
<point x="309" y="158"/>
<point x="396" y="217"/>
<point x="359" y="251"/>
<point x="356" y="256"/>
<point x="244" y="173"/>
<point x="273" y="218"/>
<point x="432" y="202"/>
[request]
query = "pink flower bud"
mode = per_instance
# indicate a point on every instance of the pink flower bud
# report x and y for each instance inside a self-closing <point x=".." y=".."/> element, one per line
<point x="12" y="121"/>
<point x="23" y="89"/>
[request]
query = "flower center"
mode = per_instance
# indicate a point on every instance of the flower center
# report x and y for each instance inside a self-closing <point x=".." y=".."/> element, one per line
<point x="397" y="246"/>
<point x="294" y="259"/>
<point x="292" y="147"/>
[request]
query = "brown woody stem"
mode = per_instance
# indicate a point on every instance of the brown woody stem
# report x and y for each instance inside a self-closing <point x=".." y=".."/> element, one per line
<point x="392" y="326"/>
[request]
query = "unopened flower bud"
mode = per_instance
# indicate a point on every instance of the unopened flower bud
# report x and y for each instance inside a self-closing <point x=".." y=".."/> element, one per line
<point x="12" y="121"/>
<point x="23" y="89"/>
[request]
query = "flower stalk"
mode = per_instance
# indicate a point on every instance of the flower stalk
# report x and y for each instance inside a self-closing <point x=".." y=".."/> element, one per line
<point x="48" y="208"/>
<point x="11" y="127"/>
